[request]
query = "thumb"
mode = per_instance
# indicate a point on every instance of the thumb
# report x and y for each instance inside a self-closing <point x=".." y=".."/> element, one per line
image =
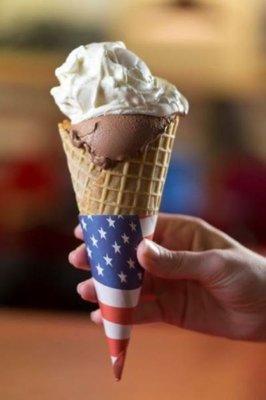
<point x="167" y="264"/>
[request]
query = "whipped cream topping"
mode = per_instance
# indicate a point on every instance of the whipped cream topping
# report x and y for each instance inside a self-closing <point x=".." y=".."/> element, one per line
<point x="106" y="78"/>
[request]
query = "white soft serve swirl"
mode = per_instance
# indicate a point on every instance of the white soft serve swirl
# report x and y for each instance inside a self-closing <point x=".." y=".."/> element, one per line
<point x="106" y="78"/>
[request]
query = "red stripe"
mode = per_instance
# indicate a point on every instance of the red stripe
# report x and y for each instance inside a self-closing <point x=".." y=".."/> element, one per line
<point x="116" y="347"/>
<point x="149" y="236"/>
<point x="143" y="216"/>
<point x="119" y="315"/>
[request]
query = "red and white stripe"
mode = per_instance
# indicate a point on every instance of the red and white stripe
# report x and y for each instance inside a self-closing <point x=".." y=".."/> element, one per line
<point x="117" y="308"/>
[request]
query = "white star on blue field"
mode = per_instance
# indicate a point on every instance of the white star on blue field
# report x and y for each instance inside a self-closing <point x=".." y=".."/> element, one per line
<point x="111" y="243"/>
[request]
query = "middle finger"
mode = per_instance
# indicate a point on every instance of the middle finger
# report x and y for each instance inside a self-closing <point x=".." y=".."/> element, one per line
<point x="87" y="291"/>
<point x="78" y="257"/>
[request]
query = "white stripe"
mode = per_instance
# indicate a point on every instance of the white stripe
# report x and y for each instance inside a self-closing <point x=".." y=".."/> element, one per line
<point x="113" y="359"/>
<point x="116" y="297"/>
<point x="116" y="331"/>
<point x="148" y="225"/>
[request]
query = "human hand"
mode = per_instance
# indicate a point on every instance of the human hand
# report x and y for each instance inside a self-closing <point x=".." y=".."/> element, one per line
<point x="197" y="278"/>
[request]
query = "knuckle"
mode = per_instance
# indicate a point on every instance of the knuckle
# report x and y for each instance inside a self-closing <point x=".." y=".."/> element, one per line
<point x="215" y="258"/>
<point x="199" y="221"/>
<point x="201" y="224"/>
<point x="174" y="263"/>
<point x="165" y="254"/>
<point x="178" y="258"/>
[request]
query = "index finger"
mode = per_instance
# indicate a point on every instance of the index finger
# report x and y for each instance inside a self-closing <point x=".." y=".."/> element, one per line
<point x="168" y="229"/>
<point x="174" y="231"/>
<point x="187" y="233"/>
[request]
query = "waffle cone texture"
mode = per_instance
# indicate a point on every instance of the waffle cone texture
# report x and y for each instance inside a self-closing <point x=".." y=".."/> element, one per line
<point x="130" y="187"/>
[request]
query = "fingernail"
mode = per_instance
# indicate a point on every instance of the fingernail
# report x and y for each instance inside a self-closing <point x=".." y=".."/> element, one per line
<point x="76" y="230"/>
<point x="92" y="316"/>
<point x="151" y="248"/>
<point x="80" y="287"/>
<point x="71" y="256"/>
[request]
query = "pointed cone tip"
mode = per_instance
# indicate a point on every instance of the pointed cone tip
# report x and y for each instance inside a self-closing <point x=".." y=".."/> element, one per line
<point x="118" y="365"/>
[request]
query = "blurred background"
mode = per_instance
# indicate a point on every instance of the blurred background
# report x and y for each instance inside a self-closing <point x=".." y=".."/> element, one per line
<point x="215" y="52"/>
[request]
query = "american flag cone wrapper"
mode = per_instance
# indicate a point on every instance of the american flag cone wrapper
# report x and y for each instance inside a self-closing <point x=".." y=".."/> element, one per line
<point x="111" y="243"/>
<point x="118" y="207"/>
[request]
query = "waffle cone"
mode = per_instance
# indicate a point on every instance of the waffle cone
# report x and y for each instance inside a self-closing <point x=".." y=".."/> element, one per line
<point x="131" y="187"/>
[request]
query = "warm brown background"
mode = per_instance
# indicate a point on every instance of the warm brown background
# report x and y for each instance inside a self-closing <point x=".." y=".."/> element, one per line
<point x="58" y="356"/>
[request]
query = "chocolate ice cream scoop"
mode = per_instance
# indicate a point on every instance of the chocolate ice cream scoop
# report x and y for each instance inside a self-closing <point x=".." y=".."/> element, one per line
<point x="114" y="138"/>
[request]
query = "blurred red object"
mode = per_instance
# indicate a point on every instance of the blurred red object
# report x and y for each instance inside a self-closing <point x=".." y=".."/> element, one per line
<point x="238" y="197"/>
<point x="29" y="175"/>
<point x="29" y="189"/>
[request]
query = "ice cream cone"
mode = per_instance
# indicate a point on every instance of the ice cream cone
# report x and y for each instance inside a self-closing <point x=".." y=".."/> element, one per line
<point x="133" y="187"/>
<point x="118" y="143"/>
<point x="129" y="193"/>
